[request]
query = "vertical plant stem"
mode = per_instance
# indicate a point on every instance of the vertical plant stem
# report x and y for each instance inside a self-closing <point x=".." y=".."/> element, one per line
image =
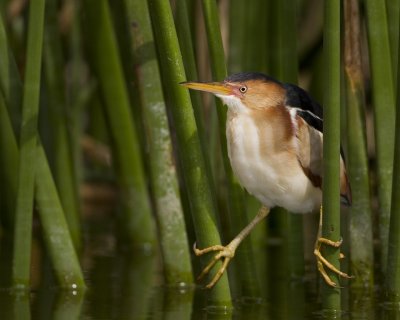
<point x="193" y="163"/>
<point x="63" y="166"/>
<point x="288" y="72"/>
<point x="79" y="89"/>
<point x="9" y="164"/>
<point x="238" y="33"/>
<point x="360" y="212"/>
<point x="384" y="106"/>
<point x="164" y="183"/>
<point x="56" y="232"/>
<point x="393" y="267"/>
<point x="10" y="82"/>
<point x="183" y="29"/>
<point x="237" y="210"/>
<point x="393" y="10"/>
<point x="189" y="60"/>
<point x="136" y="222"/>
<point x="28" y="139"/>
<point x="331" y="152"/>
<point x="10" y="101"/>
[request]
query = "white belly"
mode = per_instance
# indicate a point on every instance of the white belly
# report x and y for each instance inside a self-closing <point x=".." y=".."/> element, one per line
<point x="274" y="178"/>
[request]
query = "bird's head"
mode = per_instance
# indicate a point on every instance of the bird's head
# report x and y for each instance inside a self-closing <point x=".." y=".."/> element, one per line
<point x="244" y="92"/>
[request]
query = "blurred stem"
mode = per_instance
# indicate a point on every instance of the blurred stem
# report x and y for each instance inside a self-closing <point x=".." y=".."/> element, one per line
<point x="10" y="99"/>
<point x="136" y="222"/>
<point x="287" y="71"/>
<point x="28" y="140"/>
<point x="237" y="210"/>
<point x="331" y="152"/>
<point x="63" y="167"/>
<point x="56" y="233"/>
<point x="238" y="33"/>
<point x="393" y="10"/>
<point x="187" y="50"/>
<point x="9" y="164"/>
<point x="360" y="212"/>
<point x="183" y="29"/>
<point x="384" y="116"/>
<point x="10" y="82"/>
<point x="55" y="228"/>
<point x="164" y="183"/>
<point x="393" y="267"/>
<point x="189" y="149"/>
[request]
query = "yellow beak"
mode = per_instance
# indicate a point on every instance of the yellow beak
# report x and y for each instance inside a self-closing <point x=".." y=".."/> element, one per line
<point x="212" y="87"/>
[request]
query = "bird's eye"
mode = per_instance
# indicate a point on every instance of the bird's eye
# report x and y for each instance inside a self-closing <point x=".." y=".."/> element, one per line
<point x="243" y="89"/>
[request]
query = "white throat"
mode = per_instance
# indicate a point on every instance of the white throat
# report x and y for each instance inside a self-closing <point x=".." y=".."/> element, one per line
<point x="233" y="103"/>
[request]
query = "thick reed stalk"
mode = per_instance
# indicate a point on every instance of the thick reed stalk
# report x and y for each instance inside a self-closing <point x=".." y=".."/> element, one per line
<point x="237" y="211"/>
<point x="357" y="159"/>
<point x="393" y="267"/>
<point x="28" y="141"/>
<point x="63" y="164"/>
<point x="331" y="153"/>
<point x="164" y="182"/>
<point x="189" y="149"/>
<point x="137" y="222"/>
<point x="384" y="105"/>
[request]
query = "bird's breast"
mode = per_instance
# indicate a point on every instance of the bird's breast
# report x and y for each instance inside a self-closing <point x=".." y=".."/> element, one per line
<point x="263" y="156"/>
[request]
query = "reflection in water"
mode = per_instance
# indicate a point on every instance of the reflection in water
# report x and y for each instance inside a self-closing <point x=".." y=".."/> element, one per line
<point x="128" y="285"/>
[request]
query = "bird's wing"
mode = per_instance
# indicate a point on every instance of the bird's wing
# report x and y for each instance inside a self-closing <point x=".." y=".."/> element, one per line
<point x="306" y="107"/>
<point x="308" y="117"/>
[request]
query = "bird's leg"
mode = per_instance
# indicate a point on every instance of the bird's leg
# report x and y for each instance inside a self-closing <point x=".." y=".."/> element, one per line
<point x="321" y="261"/>
<point x="227" y="252"/>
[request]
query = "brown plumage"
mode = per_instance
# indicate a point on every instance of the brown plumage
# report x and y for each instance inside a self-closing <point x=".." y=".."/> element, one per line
<point x="275" y="140"/>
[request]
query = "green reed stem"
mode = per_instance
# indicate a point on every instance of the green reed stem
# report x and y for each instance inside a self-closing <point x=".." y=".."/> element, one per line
<point x="55" y="228"/>
<point x="136" y="222"/>
<point x="236" y="205"/>
<point x="164" y="182"/>
<point x="189" y="148"/>
<point x="288" y="72"/>
<point x="393" y="266"/>
<point x="8" y="165"/>
<point x="28" y="140"/>
<point x="10" y="100"/>
<point x="189" y="60"/>
<point x="392" y="11"/>
<point x="384" y="117"/>
<point x="360" y="212"/>
<point x="331" y="153"/>
<point x="63" y="164"/>
<point x="56" y="232"/>
<point x="10" y="83"/>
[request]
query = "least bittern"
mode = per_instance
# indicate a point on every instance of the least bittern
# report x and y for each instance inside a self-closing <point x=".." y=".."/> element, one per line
<point x="274" y="137"/>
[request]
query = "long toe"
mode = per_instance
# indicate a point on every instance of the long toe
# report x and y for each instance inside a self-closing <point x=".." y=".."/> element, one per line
<point x="225" y="253"/>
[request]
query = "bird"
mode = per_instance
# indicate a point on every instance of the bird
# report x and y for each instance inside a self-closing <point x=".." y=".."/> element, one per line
<point x="274" y="133"/>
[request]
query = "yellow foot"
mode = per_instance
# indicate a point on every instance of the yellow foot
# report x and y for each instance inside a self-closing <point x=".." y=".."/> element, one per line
<point x="321" y="261"/>
<point x="225" y="252"/>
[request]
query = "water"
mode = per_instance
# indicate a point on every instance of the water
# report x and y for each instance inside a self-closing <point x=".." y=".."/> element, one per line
<point x="122" y="286"/>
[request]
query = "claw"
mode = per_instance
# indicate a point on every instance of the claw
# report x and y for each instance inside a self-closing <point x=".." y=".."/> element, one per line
<point x="226" y="253"/>
<point x="321" y="262"/>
